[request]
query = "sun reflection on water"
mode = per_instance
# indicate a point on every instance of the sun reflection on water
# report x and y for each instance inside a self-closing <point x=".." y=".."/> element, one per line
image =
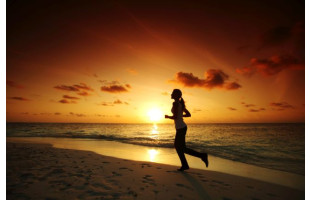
<point x="154" y="129"/>
<point x="152" y="154"/>
<point x="154" y="132"/>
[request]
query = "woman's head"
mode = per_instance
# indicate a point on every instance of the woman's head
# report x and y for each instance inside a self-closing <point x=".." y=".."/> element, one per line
<point x="176" y="94"/>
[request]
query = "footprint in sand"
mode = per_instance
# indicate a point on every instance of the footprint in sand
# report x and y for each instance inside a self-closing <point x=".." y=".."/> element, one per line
<point x="116" y="174"/>
<point x="125" y="168"/>
<point x="145" y="164"/>
<point x="147" y="179"/>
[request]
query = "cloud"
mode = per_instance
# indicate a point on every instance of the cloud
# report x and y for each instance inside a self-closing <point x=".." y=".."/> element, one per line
<point x="233" y="86"/>
<point x="271" y="66"/>
<point x="14" y="84"/>
<point x="257" y="110"/>
<point x="276" y="36"/>
<point x="74" y="88"/>
<point x="100" y="115"/>
<point x="57" y="113"/>
<point x="214" y="78"/>
<point x="120" y="102"/>
<point x="247" y="105"/>
<point x="231" y="108"/>
<point x="70" y="97"/>
<point x="65" y="101"/>
<point x="281" y="35"/>
<point x="67" y="88"/>
<point x="83" y="86"/>
<point x="83" y="93"/>
<point x="19" y="98"/>
<point x="106" y="104"/>
<point x="115" y="88"/>
<point x="116" y="102"/>
<point x="77" y="114"/>
<point x="281" y="106"/>
<point x="165" y="93"/>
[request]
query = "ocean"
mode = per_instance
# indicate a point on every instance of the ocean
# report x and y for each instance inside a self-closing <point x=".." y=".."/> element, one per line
<point x="279" y="146"/>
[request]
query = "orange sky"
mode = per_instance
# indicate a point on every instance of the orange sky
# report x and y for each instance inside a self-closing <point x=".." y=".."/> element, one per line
<point x="112" y="61"/>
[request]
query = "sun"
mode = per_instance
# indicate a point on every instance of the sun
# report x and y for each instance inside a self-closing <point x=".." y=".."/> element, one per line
<point x="155" y="114"/>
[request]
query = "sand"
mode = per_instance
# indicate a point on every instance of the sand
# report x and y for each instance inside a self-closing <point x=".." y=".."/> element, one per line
<point x="40" y="171"/>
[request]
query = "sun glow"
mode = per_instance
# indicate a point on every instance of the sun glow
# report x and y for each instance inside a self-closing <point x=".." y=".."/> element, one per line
<point x="155" y="114"/>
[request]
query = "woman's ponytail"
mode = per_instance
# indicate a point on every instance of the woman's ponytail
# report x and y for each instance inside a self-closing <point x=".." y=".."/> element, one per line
<point x="182" y="103"/>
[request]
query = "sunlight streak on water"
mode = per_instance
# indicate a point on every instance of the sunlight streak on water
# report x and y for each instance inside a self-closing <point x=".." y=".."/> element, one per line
<point x="152" y="154"/>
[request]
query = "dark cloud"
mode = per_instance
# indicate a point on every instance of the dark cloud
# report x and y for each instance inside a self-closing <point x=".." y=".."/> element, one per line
<point x="276" y="36"/>
<point x="247" y="105"/>
<point x="257" y="110"/>
<point x="70" y="97"/>
<point x="66" y="101"/>
<point x="280" y="35"/>
<point x="83" y="93"/>
<point x="114" y="89"/>
<point x="77" y="114"/>
<point x="254" y="110"/>
<point x="281" y="106"/>
<point x="67" y="88"/>
<point x="233" y="86"/>
<point x="214" y="78"/>
<point x="231" y="108"/>
<point x="83" y="86"/>
<point x="74" y="88"/>
<point x="57" y="113"/>
<point x="271" y="66"/>
<point x="114" y="86"/>
<point x="14" y="84"/>
<point x="19" y="98"/>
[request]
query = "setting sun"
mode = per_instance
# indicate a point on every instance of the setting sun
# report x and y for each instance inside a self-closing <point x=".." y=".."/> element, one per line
<point x="155" y="114"/>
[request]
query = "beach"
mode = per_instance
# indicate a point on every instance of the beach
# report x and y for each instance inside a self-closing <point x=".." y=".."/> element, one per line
<point x="38" y="170"/>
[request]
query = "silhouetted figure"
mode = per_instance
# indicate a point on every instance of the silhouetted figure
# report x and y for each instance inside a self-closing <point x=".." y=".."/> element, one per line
<point x="178" y="109"/>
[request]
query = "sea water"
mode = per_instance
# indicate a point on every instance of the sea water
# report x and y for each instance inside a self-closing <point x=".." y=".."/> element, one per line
<point x="276" y="146"/>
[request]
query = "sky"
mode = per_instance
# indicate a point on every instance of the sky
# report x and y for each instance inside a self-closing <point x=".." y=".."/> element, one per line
<point x="117" y="61"/>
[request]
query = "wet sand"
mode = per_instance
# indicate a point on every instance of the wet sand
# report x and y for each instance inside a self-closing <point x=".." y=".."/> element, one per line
<point x="40" y="171"/>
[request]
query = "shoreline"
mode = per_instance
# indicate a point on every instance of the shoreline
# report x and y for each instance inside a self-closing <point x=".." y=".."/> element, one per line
<point x="41" y="171"/>
<point x="169" y="157"/>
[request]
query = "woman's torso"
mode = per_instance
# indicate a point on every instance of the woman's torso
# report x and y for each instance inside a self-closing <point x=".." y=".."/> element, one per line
<point x="178" y="121"/>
